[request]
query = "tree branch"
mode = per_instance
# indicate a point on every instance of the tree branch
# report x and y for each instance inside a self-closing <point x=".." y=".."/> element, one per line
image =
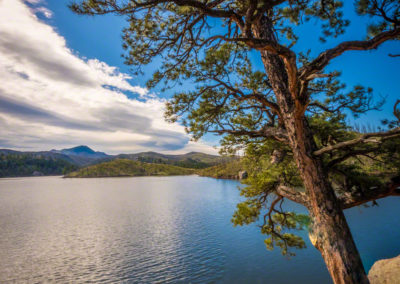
<point x="291" y="194"/>
<point x="261" y="99"/>
<point x="349" y="155"/>
<point x="365" y="138"/>
<point x="325" y="57"/>
<point x="396" y="112"/>
<point x="267" y="132"/>
<point x="318" y="75"/>
<point x="351" y="199"/>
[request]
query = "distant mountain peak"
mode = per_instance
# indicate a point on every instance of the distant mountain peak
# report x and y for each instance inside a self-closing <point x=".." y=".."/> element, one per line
<point x="83" y="151"/>
<point x="80" y="149"/>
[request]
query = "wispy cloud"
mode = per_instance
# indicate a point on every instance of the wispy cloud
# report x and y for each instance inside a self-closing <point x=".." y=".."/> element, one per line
<point x="43" y="10"/>
<point x="50" y="97"/>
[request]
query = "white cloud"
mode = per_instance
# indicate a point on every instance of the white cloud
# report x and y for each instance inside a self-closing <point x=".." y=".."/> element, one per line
<point x="33" y="1"/>
<point x="43" y="10"/>
<point x="50" y="97"/>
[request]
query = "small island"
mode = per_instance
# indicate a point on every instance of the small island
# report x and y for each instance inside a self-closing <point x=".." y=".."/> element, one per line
<point x="129" y="168"/>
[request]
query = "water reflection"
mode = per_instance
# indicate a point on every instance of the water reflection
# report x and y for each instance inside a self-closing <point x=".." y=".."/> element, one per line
<point x="150" y="229"/>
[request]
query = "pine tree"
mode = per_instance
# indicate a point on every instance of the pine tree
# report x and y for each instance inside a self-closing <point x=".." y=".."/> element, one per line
<point x="289" y="118"/>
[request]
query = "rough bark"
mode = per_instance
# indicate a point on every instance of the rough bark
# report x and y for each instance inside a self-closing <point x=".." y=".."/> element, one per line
<point x="329" y="232"/>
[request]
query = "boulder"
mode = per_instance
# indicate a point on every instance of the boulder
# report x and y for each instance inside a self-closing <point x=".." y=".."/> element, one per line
<point x="385" y="271"/>
<point x="242" y="175"/>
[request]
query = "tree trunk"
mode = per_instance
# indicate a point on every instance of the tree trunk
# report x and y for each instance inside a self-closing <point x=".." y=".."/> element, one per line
<point x="329" y="231"/>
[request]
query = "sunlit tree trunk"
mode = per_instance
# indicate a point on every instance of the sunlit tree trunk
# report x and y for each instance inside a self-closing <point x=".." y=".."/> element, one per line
<point x="329" y="231"/>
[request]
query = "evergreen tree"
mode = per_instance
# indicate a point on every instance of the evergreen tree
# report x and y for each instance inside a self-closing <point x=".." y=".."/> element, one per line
<point x="289" y="118"/>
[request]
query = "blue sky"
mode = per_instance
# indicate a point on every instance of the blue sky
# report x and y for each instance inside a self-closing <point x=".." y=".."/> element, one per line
<point x="100" y="37"/>
<point x="66" y="84"/>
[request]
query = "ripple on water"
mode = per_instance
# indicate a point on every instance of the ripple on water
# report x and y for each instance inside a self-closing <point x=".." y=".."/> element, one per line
<point x="155" y="230"/>
<point x="104" y="233"/>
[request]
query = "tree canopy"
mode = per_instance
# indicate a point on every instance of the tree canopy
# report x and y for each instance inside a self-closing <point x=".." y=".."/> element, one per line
<point x="290" y="119"/>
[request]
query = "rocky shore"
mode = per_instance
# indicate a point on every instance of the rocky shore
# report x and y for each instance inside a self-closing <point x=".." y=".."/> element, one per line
<point x="385" y="271"/>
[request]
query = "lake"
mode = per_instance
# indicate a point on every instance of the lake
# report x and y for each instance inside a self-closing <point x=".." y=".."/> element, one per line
<point x="158" y="230"/>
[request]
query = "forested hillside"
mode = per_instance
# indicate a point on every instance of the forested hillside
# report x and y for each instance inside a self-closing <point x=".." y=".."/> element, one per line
<point x="227" y="170"/>
<point x="57" y="162"/>
<point x="129" y="168"/>
<point x="193" y="160"/>
<point x="16" y="165"/>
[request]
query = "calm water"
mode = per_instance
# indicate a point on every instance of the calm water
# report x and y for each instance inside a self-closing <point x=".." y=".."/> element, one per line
<point x="157" y="229"/>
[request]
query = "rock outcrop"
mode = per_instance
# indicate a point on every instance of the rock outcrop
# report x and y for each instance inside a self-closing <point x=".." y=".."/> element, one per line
<point x="385" y="271"/>
<point x="243" y="175"/>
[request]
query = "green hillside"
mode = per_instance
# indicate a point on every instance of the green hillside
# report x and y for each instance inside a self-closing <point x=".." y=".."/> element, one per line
<point x="193" y="160"/>
<point x="227" y="170"/>
<point x="129" y="168"/>
<point x="18" y="165"/>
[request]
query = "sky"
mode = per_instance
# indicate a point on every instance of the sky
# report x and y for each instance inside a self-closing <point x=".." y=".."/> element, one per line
<point x="63" y="83"/>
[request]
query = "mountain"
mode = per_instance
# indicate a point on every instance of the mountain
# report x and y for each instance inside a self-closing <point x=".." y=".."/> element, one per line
<point x="82" y="156"/>
<point x="78" y="156"/>
<point x="129" y="168"/>
<point x="82" y="151"/>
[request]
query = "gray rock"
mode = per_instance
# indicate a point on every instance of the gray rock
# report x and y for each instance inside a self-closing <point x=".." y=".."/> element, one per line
<point x="243" y="175"/>
<point x="385" y="271"/>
